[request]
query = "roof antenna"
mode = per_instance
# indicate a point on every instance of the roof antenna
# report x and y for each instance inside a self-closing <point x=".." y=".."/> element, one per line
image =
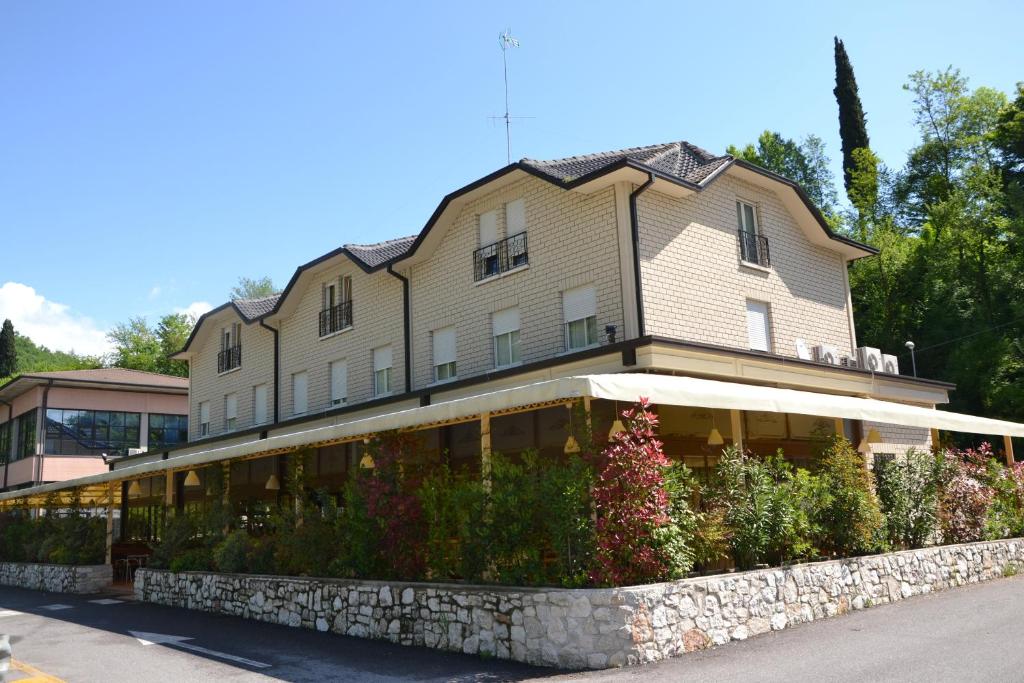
<point x="506" y="41"/>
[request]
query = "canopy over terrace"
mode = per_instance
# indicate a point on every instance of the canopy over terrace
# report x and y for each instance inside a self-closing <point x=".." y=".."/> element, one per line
<point x="625" y="387"/>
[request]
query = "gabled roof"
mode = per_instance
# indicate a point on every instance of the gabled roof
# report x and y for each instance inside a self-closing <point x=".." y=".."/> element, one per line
<point x="121" y="377"/>
<point x="251" y="309"/>
<point x="376" y="255"/>
<point x="681" y="160"/>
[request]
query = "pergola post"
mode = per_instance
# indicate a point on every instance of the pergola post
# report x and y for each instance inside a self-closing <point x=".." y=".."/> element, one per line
<point x="226" y="496"/>
<point x="1008" y="447"/>
<point x="935" y="440"/>
<point x="299" y="470"/>
<point x="485" y="449"/>
<point x="736" y="423"/>
<point x="168" y="492"/>
<point x="109" y="542"/>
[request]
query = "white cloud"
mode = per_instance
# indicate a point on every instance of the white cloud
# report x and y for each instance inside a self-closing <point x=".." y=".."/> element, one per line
<point x="155" y="292"/>
<point x="195" y="309"/>
<point x="49" y="323"/>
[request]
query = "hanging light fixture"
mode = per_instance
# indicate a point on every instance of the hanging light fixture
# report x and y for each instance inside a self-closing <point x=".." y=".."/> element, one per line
<point x="192" y="479"/>
<point x="134" y="490"/>
<point x="273" y="483"/>
<point x="873" y="436"/>
<point x="367" y="462"/>
<point x="617" y="426"/>
<point x="715" y="437"/>
<point x="571" y="445"/>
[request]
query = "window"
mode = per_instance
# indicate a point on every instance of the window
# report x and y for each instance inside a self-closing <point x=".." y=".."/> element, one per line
<point x="204" y="418"/>
<point x="505" y="326"/>
<point x="336" y="306"/>
<point x="339" y="382"/>
<point x="230" y="356"/>
<point x="515" y="229"/>
<point x="753" y="245"/>
<point x="167" y="431"/>
<point x="579" y="306"/>
<point x="300" y="397"/>
<point x="382" y="371"/>
<point x="25" y="427"/>
<point x="488" y="240"/>
<point x="444" y="354"/>
<point x="758" y="326"/>
<point x="90" y="432"/>
<point x="5" y="442"/>
<point x="230" y="412"/>
<point x="259" y="404"/>
<point x="747" y="217"/>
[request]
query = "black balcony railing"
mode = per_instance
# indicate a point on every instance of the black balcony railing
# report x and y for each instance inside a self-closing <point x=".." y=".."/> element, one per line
<point x="336" y="318"/>
<point x="754" y="249"/>
<point x="500" y="257"/>
<point x="229" y="358"/>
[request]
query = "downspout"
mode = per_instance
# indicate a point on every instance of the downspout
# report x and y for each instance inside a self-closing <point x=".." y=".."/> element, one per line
<point x="10" y="428"/>
<point x="277" y="368"/>
<point x="634" y="224"/>
<point x="408" y="328"/>
<point x="41" y="435"/>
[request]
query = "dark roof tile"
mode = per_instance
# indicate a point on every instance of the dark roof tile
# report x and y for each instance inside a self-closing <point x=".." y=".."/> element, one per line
<point x="681" y="160"/>
<point x="252" y="309"/>
<point x="374" y="255"/>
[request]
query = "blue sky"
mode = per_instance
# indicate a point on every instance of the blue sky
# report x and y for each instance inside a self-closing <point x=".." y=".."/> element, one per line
<point x="152" y="153"/>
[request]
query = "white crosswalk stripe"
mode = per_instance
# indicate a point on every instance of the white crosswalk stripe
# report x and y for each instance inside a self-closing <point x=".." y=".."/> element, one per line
<point x="55" y="607"/>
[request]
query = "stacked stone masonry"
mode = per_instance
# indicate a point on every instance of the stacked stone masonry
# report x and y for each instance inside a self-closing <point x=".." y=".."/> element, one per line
<point x="592" y="628"/>
<point x="57" y="578"/>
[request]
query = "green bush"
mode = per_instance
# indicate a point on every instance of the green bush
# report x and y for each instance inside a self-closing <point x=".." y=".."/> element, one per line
<point x="846" y="513"/>
<point x="908" y="493"/>
<point x="232" y="554"/>
<point x="193" y="560"/>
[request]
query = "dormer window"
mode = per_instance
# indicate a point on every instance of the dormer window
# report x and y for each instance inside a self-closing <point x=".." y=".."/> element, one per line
<point x="753" y="245"/>
<point x="496" y="256"/>
<point x="336" y="306"/>
<point x="230" y="355"/>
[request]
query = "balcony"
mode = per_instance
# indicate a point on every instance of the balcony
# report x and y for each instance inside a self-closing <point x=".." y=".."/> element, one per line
<point x="500" y="257"/>
<point x="335" y="318"/>
<point x="754" y="249"/>
<point x="229" y="358"/>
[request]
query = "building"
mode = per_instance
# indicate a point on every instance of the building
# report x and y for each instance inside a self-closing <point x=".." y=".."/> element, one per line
<point x="64" y="425"/>
<point x="706" y="283"/>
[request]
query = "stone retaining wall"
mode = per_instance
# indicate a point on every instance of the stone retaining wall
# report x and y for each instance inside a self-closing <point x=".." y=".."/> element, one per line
<point x="57" y="578"/>
<point x="592" y="628"/>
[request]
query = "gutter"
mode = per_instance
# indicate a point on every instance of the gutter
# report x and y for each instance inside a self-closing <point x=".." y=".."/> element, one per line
<point x="634" y="224"/>
<point x="407" y="348"/>
<point x="277" y="368"/>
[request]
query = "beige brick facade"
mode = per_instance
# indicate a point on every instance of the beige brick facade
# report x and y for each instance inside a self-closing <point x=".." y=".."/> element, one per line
<point x="207" y="385"/>
<point x="572" y="242"/>
<point x="376" y="321"/>
<point x="695" y="288"/>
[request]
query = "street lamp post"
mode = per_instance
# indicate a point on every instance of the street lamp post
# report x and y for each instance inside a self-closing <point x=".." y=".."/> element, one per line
<point x="913" y="361"/>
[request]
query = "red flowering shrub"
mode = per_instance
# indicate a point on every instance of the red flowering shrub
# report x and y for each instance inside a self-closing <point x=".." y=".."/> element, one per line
<point x="966" y="495"/>
<point x="632" y="505"/>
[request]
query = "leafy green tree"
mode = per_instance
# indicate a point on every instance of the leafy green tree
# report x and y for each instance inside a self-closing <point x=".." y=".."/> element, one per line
<point x="33" y="357"/>
<point x="138" y="346"/>
<point x="804" y="163"/>
<point x="248" y="288"/>
<point x="852" y="125"/>
<point x="8" y="352"/>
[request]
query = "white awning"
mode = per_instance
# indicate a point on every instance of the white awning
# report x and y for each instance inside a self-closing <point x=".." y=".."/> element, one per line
<point x="624" y="387"/>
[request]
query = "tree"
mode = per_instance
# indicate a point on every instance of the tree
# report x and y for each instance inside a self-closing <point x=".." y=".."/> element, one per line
<point x="805" y="163"/>
<point x="248" y="288"/>
<point x="8" y="353"/>
<point x="138" y="346"/>
<point x="852" y="126"/>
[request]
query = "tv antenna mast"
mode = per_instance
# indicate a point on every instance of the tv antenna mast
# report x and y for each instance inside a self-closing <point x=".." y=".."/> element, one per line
<point x="506" y="41"/>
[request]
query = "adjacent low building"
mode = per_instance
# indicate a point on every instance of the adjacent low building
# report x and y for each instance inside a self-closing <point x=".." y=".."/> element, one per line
<point x="56" y="426"/>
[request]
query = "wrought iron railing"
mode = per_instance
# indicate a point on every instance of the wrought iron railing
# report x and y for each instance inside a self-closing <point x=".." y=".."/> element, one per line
<point x="754" y="249"/>
<point x="336" y="318"/>
<point x="229" y="358"/>
<point x="500" y="257"/>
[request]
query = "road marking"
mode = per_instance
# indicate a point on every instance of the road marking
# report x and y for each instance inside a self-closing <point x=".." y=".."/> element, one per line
<point x="179" y="641"/>
<point x="8" y="613"/>
<point x="55" y="607"/>
<point x="106" y="601"/>
<point x="35" y="675"/>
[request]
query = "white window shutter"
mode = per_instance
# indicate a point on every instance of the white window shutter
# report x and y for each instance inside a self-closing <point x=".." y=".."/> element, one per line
<point x="579" y="303"/>
<point x="382" y="358"/>
<point x="231" y="406"/>
<point x="204" y="411"/>
<point x="505" y="321"/>
<point x="300" y="397"/>
<point x="259" y="404"/>
<point x="339" y="380"/>
<point x="515" y="217"/>
<point x="757" y="325"/>
<point x="488" y="228"/>
<point x="444" y="346"/>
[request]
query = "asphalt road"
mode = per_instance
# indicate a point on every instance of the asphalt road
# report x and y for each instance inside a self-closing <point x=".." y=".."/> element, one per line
<point x="968" y="634"/>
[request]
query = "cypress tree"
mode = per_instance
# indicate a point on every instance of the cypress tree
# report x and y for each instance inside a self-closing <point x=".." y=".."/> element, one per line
<point x="8" y="354"/>
<point x="852" y="127"/>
